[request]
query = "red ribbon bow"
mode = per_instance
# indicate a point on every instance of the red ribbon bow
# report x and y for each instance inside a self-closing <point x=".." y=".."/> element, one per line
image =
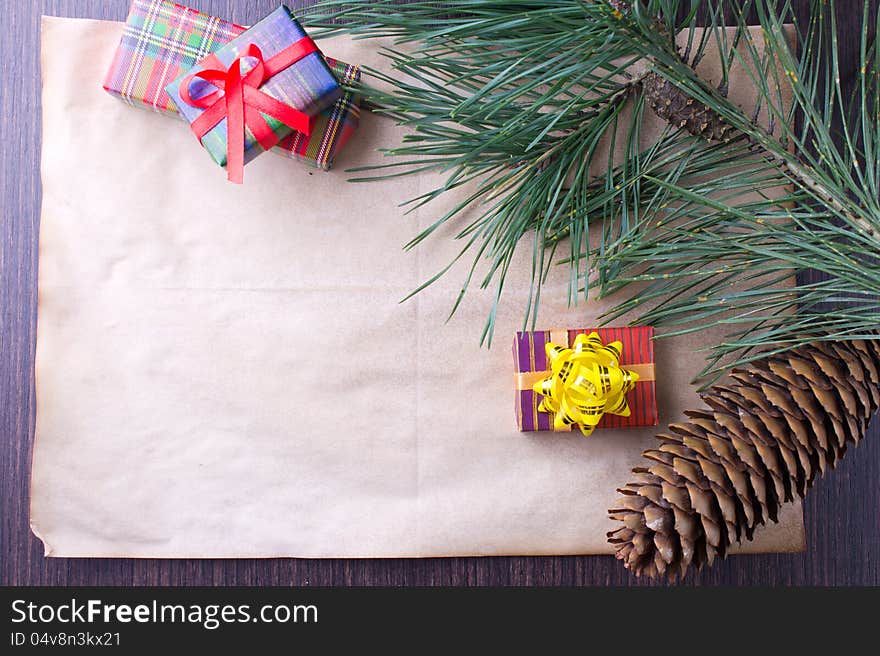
<point x="239" y="100"/>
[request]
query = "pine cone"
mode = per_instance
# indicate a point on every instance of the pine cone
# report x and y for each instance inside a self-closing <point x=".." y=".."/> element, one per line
<point x="677" y="108"/>
<point x="763" y="441"/>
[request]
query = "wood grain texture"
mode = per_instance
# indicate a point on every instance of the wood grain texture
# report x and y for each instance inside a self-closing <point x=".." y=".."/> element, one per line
<point x="842" y="512"/>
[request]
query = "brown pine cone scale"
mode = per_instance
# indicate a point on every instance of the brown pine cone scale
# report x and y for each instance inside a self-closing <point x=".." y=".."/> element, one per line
<point x="762" y="442"/>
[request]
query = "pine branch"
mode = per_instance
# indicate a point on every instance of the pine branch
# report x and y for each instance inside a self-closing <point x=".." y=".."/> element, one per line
<point x="829" y="187"/>
<point x="515" y="95"/>
<point x="761" y="138"/>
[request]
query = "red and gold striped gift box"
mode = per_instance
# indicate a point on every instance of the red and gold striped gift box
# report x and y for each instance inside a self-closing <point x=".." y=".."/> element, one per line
<point x="530" y="358"/>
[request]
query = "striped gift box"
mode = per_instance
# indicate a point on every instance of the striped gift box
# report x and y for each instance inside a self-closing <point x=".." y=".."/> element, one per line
<point x="162" y="40"/>
<point x="530" y="358"/>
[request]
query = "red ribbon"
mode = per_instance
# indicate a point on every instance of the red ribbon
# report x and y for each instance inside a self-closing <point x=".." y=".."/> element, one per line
<point x="239" y="100"/>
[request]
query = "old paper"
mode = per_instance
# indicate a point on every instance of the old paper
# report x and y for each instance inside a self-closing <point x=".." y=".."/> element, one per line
<point x="226" y="371"/>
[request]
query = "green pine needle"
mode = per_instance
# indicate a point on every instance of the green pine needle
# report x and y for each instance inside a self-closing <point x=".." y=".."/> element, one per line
<point x="515" y="97"/>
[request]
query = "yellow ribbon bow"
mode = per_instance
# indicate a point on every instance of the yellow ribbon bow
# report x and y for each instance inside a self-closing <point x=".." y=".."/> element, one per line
<point x="585" y="382"/>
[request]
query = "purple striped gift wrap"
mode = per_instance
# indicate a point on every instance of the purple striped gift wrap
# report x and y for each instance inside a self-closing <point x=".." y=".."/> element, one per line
<point x="530" y="357"/>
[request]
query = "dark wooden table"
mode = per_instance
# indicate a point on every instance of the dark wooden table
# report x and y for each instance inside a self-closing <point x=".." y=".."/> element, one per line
<point x="842" y="512"/>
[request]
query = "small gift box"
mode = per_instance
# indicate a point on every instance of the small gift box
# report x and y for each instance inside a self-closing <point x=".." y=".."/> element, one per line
<point x="249" y="94"/>
<point x="161" y="40"/>
<point x="602" y="378"/>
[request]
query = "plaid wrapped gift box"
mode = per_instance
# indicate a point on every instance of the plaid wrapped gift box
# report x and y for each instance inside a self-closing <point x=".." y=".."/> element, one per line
<point x="161" y="40"/>
<point x="306" y="84"/>
<point x="530" y="360"/>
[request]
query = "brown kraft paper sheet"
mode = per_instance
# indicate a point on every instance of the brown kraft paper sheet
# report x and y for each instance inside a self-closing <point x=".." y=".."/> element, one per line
<point x="227" y="371"/>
